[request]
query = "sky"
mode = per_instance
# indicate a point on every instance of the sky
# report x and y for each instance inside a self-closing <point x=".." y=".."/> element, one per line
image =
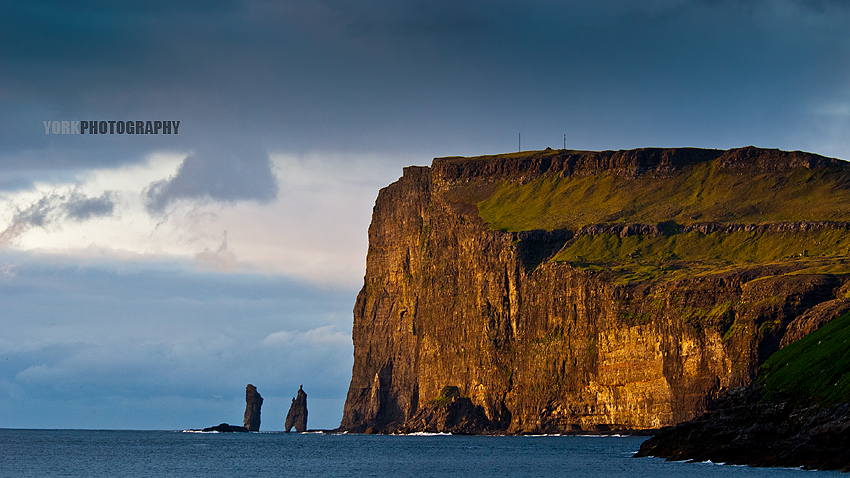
<point x="146" y="279"/>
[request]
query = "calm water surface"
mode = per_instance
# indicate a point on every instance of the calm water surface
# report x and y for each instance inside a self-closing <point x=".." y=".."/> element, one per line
<point x="95" y="453"/>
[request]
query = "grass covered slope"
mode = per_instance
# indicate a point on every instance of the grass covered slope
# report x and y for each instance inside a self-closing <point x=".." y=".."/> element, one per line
<point x="733" y="247"/>
<point x="816" y="367"/>
<point x="703" y="192"/>
<point x="749" y="186"/>
<point x="640" y="257"/>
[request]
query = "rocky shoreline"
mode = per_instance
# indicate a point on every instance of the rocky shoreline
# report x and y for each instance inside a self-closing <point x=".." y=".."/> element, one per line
<point x="746" y="429"/>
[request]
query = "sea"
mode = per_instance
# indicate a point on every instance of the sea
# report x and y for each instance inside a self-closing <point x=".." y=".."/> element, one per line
<point x="125" y="453"/>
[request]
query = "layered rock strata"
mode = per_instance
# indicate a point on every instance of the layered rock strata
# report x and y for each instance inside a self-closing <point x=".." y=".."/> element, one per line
<point x="545" y="346"/>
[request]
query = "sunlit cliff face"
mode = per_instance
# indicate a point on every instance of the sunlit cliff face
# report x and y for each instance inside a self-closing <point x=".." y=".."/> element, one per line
<point x="616" y="322"/>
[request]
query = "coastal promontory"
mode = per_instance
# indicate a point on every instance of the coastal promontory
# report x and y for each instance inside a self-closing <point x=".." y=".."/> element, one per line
<point x="566" y="291"/>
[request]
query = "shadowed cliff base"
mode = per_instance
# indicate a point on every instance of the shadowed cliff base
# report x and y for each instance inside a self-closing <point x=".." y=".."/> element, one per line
<point x="568" y="291"/>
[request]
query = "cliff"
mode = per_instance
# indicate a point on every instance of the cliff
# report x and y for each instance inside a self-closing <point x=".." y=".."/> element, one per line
<point x="297" y="415"/>
<point x="568" y="291"/>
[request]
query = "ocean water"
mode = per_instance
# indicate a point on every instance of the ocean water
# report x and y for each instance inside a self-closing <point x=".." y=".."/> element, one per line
<point x="121" y="453"/>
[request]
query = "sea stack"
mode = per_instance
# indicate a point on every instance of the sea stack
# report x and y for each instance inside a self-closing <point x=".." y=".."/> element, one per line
<point x="297" y="416"/>
<point x="253" y="402"/>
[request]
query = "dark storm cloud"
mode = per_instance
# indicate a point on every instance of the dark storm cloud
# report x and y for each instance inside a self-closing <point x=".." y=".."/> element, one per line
<point x="53" y="207"/>
<point x="217" y="175"/>
<point x="439" y="77"/>
<point x="80" y="207"/>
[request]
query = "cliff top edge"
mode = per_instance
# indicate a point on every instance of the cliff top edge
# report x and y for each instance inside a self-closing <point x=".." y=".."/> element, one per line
<point x="630" y="163"/>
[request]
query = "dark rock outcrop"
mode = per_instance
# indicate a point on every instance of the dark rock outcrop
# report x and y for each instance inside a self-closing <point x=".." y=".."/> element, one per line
<point x="745" y="429"/>
<point x="297" y="415"/>
<point x="225" y="428"/>
<point x="449" y="413"/>
<point x="815" y="317"/>
<point x="253" y="402"/>
<point x="543" y="346"/>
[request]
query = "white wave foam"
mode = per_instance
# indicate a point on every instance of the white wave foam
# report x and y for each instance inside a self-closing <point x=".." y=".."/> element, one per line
<point x="424" y="434"/>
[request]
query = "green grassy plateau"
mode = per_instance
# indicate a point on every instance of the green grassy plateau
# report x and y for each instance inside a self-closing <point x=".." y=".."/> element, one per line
<point x="699" y="193"/>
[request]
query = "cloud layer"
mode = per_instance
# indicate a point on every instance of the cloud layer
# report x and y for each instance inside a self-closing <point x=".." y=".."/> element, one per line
<point x="314" y="229"/>
<point x="429" y="78"/>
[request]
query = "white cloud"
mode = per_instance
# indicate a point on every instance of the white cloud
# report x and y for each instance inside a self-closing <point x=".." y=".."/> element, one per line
<point x="320" y="335"/>
<point x="7" y="272"/>
<point x="39" y="373"/>
<point x="136" y="332"/>
<point x="316" y="228"/>
<point x="836" y="109"/>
